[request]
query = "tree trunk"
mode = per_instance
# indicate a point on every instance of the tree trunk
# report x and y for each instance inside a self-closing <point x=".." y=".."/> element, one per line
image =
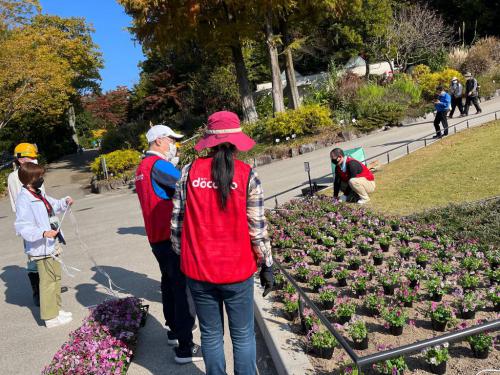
<point x="247" y="102"/>
<point x="72" y="123"/>
<point x="277" y="90"/>
<point x="291" y="83"/>
<point x="367" y="62"/>
<point x="390" y="63"/>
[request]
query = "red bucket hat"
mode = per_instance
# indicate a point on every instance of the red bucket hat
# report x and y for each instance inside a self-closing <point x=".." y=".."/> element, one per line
<point x="224" y="127"/>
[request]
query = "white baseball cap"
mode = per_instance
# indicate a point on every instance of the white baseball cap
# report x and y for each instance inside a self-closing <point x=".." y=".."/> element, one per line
<point x="160" y="131"/>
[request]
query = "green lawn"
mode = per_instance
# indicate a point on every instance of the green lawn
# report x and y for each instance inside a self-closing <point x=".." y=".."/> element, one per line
<point x="460" y="168"/>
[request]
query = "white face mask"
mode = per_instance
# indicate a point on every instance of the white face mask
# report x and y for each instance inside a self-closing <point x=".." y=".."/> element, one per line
<point x="171" y="154"/>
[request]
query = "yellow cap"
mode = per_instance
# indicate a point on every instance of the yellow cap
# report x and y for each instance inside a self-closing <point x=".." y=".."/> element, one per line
<point x="26" y="150"/>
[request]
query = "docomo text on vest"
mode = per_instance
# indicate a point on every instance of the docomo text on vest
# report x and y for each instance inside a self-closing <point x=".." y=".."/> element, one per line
<point x="204" y="183"/>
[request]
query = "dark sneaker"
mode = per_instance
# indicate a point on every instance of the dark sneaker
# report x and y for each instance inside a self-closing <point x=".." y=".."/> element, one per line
<point x="188" y="355"/>
<point x="172" y="338"/>
<point x="437" y="136"/>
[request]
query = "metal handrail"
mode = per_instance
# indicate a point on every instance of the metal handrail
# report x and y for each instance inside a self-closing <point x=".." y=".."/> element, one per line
<point x="362" y="362"/>
<point x="424" y="138"/>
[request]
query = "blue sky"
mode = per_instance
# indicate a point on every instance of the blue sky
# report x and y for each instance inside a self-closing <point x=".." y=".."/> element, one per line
<point x="121" y="54"/>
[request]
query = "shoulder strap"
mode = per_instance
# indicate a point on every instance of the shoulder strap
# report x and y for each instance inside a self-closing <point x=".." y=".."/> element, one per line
<point x="48" y="206"/>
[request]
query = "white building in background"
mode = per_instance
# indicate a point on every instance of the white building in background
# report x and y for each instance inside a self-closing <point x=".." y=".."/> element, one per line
<point x="356" y="65"/>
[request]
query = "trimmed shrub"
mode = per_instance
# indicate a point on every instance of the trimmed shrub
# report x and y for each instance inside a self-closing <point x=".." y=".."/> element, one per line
<point x="429" y="81"/>
<point x="307" y="119"/>
<point x="120" y="163"/>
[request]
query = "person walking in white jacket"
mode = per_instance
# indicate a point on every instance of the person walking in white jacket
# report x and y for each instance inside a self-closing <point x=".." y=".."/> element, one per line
<point x="37" y="223"/>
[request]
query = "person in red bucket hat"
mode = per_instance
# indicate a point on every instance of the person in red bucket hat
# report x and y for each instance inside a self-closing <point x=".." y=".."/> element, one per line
<point x="219" y="229"/>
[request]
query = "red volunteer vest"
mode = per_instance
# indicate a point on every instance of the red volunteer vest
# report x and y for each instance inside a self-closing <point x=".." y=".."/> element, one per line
<point x="157" y="212"/>
<point x="364" y="173"/>
<point x="215" y="244"/>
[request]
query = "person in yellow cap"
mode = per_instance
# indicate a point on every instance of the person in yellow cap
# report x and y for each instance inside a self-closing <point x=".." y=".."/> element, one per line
<point x="24" y="153"/>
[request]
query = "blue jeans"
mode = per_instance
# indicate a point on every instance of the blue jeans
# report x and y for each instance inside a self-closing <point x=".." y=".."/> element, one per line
<point x="238" y="299"/>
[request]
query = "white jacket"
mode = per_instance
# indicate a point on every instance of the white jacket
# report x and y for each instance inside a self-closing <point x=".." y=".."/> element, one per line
<point x="15" y="186"/>
<point x="32" y="220"/>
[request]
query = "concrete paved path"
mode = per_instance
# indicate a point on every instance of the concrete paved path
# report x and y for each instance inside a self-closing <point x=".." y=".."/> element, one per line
<point x="286" y="174"/>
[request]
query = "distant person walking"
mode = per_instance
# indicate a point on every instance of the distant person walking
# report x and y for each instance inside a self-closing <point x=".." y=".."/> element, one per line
<point x="442" y="105"/>
<point x="155" y="181"/>
<point x="37" y="223"/>
<point x="456" y="92"/>
<point x="352" y="177"/>
<point x="471" y="93"/>
<point x="25" y="153"/>
<point x="220" y="231"/>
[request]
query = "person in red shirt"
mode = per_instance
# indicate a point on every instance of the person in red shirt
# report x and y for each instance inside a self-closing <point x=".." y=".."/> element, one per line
<point x="220" y="231"/>
<point x="352" y="177"/>
<point x="155" y="181"/>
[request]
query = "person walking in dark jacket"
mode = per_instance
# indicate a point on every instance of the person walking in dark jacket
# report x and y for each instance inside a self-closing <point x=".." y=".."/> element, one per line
<point x="471" y="93"/>
<point x="456" y="91"/>
<point x="442" y="106"/>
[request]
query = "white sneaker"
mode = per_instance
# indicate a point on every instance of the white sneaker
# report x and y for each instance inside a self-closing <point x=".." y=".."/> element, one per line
<point x="65" y="313"/>
<point x="362" y="201"/>
<point x="343" y="198"/>
<point x="59" y="321"/>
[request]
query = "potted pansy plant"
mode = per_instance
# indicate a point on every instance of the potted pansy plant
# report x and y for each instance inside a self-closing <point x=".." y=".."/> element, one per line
<point x="437" y="357"/>
<point x="375" y="304"/>
<point x="467" y="303"/>
<point x="316" y="280"/>
<point x="436" y="288"/>
<point x="414" y="275"/>
<point x="389" y="281"/>
<point x="359" y="333"/>
<point x="406" y="295"/>
<point x="441" y="315"/>
<point x="385" y="243"/>
<point x="322" y="342"/>
<point x="291" y="306"/>
<point x="341" y="276"/>
<point x="343" y="310"/>
<point x="493" y="295"/>
<point x="327" y="269"/>
<point x="327" y="296"/>
<point x="378" y="258"/>
<point x="481" y="344"/>
<point x="396" y="318"/>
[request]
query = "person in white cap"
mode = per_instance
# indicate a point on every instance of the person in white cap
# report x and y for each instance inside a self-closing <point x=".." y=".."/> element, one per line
<point x="456" y="91"/>
<point x="155" y="181"/>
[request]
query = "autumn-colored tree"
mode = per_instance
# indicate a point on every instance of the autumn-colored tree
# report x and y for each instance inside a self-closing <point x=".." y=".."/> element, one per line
<point x="17" y="12"/>
<point x="111" y="108"/>
<point x="33" y="78"/>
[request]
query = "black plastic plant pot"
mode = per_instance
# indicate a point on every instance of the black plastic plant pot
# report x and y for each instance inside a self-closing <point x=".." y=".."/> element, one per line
<point x="361" y="345"/>
<point x="353" y="267"/>
<point x="408" y="304"/>
<point x="413" y="283"/>
<point x="389" y="289"/>
<point x="349" y="245"/>
<point x="438" y="326"/>
<point x="342" y="282"/>
<point x="396" y="330"/>
<point x="317" y="262"/>
<point x="497" y="307"/>
<point x="481" y="354"/>
<point x="438" y="369"/>
<point x="343" y="319"/>
<point x="290" y="315"/>
<point x="328" y="275"/>
<point x="467" y="314"/>
<point x="339" y="258"/>
<point x="385" y="248"/>
<point x="377" y="231"/>
<point x="278" y="286"/>
<point x="422" y="263"/>
<point x="378" y="261"/>
<point x="360" y="292"/>
<point x="435" y="297"/>
<point x="325" y="353"/>
<point x="363" y="252"/>
<point x="395" y="227"/>
<point x="327" y="305"/>
<point x="373" y="312"/>
<point x="406" y="256"/>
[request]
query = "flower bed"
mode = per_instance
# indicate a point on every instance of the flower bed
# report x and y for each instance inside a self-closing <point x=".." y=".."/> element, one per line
<point x="105" y="342"/>
<point x="425" y="284"/>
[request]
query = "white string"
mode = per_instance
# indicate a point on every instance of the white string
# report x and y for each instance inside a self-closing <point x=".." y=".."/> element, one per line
<point x="111" y="284"/>
<point x="487" y="370"/>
